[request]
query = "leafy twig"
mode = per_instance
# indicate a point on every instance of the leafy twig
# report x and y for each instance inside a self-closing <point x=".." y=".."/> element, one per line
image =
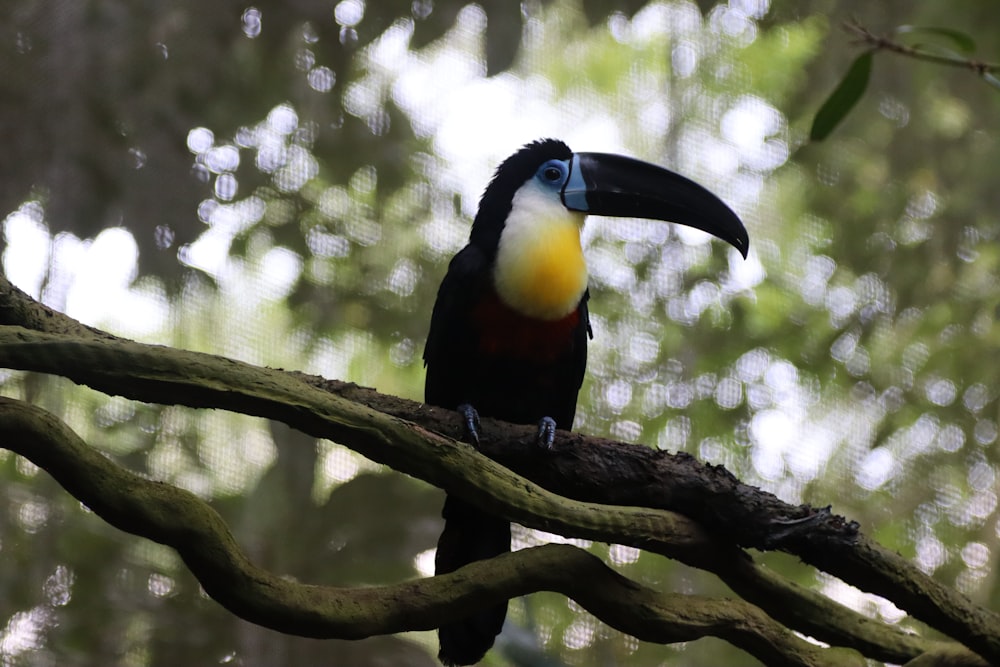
<point x="884" y="43"/>
<point x="852" y="86"/>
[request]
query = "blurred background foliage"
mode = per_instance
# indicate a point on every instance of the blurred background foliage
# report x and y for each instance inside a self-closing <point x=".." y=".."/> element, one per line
<point x="284" y="183"/>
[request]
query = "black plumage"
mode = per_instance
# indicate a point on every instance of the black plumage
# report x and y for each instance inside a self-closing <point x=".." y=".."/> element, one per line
<point x="508" y="366"/>
<point x="510" y="327"/>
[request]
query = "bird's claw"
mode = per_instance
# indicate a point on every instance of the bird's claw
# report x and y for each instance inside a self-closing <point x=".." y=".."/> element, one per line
<point x="471" y="419"/>
<point x="546" y="432"/>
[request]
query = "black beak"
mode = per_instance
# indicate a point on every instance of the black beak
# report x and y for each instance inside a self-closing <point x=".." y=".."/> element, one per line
<point x="607" y="184"/>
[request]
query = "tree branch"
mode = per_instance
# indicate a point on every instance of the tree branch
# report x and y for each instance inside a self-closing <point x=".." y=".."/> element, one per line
<point x="583" y="468"/>
<point x="181" y="520"/>
<point x="883" y="43"/>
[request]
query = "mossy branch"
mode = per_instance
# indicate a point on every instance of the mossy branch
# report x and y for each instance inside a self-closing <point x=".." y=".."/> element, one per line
<point x="181" y="520"/>
<point x="404" y="435"/>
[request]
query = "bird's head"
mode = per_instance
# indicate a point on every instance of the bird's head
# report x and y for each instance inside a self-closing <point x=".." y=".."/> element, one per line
<point x="530" y="217"/>
<point x="600" y="184"/>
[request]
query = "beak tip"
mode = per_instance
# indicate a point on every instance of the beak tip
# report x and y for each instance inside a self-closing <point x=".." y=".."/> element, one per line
<point x="735" y="234"/>
<point x="744" y="247"/>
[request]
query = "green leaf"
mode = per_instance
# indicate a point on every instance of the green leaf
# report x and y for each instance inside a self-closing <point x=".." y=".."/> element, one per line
<point x="962" y="42"/>
<point x="843" y="99"/>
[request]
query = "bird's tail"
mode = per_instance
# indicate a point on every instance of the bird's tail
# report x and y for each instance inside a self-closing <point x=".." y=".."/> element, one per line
<point x="469" y="535"/>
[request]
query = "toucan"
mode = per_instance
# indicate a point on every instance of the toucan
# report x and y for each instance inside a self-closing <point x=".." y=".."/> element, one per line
<point x="509" y="330"/>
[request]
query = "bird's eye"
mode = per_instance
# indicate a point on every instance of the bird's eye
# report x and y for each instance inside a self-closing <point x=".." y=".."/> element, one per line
<point x="552" y="172"/>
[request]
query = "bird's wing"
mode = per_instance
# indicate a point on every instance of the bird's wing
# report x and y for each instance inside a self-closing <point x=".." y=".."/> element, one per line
<point x="450" y="335"/>
<point x="581" y="336"/>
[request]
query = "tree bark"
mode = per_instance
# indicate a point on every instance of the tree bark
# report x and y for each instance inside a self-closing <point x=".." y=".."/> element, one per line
<point x="584" y="487"/>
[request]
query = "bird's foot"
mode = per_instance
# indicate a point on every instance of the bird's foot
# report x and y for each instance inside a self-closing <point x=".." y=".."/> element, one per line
<point x="546" y="432"/>
<point x="471" y="419"/>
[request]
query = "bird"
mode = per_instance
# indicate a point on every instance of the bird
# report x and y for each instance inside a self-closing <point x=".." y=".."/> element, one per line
<point x="509" y="328"/>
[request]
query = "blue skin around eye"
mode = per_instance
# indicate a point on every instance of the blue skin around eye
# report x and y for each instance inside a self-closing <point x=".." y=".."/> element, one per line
<point x="574" y="194"/>
<point x="556" y="164"/>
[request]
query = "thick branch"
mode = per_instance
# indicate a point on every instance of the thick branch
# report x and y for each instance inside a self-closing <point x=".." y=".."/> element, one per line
<point x="165" y="375"/>
<point x="589" y="469"/>
<point x="181" y="520"/>
<point x="594" y="469"/>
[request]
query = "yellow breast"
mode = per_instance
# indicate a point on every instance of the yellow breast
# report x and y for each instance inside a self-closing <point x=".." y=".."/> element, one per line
<point x="540" y="270"/>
